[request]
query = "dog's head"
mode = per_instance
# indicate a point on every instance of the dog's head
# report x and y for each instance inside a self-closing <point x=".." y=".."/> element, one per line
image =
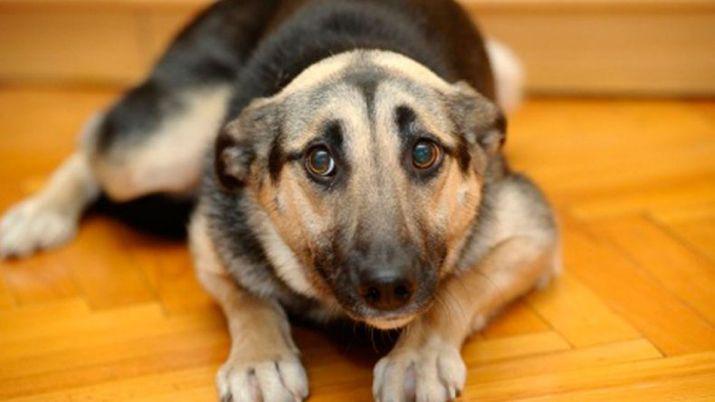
<point x="368" y="168"/>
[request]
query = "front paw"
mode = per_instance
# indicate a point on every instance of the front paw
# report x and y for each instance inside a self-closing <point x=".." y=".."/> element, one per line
<point x="431" y="372"/>
<point x="35" y="225"/>
<point x="271" y="380"/>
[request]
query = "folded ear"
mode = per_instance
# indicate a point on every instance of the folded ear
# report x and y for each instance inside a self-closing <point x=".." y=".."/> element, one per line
<point x="243" y="142"/>
<point x="478" y="120"/>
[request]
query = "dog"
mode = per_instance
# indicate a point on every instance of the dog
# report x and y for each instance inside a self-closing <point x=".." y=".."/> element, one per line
<point x="346" y="161"/>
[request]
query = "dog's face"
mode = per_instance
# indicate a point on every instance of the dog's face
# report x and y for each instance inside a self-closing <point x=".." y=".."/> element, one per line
<point x="369" y="168"/>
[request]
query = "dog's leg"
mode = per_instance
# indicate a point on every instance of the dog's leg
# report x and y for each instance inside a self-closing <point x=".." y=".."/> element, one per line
<point x="263" y="363"/>
<point x="425" y="364"/>
<point x="50" y="217"/>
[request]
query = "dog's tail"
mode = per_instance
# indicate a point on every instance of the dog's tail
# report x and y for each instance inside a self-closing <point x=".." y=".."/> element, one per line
<point x="508" y="74"/>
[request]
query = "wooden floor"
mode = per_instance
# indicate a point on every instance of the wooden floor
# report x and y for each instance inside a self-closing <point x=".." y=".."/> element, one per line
<point x="118" y="316"/>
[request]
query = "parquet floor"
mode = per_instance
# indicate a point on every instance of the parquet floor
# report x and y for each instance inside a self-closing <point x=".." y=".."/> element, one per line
<point x="118" y="316"/>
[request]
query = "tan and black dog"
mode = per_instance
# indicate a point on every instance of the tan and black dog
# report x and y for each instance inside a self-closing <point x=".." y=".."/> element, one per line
<point x="346" y="161"/>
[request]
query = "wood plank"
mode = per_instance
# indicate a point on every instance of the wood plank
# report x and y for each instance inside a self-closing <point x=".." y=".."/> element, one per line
<point x="188" y="395"/>
<point x="578" y="315"/>
<point x="616" y="375"/>
<point x="128" y="388"/>
<point x="45" y="278"/>
<point x="77" y="317"/>
<point x="674" y="216"/>
<point x="694" y="226"/>
<point x="657" y="252"/>
<point x="700" y="234"/>
<point x="696" y="387"/>
<point x="664" y="319"/>
<point x="96" y="364"/>
<point x="515" y="346"/>
<point x="6" y="300"/>
<point x="28" y="316"/>
<point x="168" y="267"/>
<point x="110" y="277"/>
<point x="593" y="356"/>
<point x="516" y="319"/>
<point x="101" y="329"/>
<point x="688" y="193"/>
<point x="625" y="173"/>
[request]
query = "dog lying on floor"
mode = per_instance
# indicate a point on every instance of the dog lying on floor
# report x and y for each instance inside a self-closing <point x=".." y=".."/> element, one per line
<point x="346" y="160"/>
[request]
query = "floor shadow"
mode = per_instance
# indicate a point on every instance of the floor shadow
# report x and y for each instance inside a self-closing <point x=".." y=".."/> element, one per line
<point x="155" y="215"/>
<point x="356" y="342"/>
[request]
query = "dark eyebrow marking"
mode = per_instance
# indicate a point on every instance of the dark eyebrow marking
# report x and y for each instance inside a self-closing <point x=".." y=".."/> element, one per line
<point x="333" y="135"/>
<point x="405" y="118"/>
<point x="462" y="154"/>
<point x="276" y="158"/>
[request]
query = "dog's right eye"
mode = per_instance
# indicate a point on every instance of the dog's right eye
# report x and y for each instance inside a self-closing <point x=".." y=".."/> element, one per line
<point x="425" y="154"/>
<point x="320" y="162"/>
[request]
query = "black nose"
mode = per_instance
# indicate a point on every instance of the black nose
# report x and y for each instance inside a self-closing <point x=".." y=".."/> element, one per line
<point x="386" y="293"/>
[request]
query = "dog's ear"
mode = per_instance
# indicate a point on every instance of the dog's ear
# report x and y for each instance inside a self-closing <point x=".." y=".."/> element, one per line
<point x="477" y="119"/>
<point x="242" y="142"/>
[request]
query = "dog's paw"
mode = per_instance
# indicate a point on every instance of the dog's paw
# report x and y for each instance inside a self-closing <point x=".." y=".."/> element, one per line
<point x="555" y="269"/>
<point x="280" y="380"/>
<point x="33" y="225"/>
<point x="432" y="372"/>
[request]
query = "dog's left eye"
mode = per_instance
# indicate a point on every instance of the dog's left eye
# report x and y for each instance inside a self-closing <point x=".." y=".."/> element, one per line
<point x="320" y="162"/>
<point x="425" y="154"/>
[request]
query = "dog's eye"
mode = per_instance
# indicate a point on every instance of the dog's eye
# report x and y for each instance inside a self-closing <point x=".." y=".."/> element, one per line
<point x="425" y="154"/>
<point x="320" y="162"/>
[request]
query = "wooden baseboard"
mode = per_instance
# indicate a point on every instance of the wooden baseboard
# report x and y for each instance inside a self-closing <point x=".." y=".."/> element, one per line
<point x="629" y="47"/>
<point x="636" y="47"/>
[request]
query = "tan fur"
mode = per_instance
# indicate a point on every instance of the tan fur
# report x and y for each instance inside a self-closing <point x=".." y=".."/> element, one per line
<point x="280" y="231"/>
<point x="454" y="209"/>
<point x="263" y="359"/>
